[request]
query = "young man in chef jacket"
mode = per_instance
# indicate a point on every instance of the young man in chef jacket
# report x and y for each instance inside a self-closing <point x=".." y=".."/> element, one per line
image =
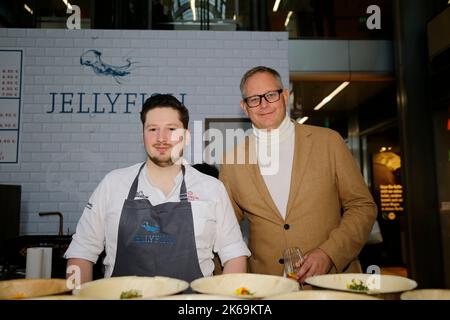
<point x="161" y="217"/>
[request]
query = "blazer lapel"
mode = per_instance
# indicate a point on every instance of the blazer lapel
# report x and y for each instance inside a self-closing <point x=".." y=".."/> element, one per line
<point x="302" y="151"/>
<point x="257" y="178"/>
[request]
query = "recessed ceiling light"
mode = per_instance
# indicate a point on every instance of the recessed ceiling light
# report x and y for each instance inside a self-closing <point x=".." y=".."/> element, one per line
<point x="288" y="18"/>
<point x="302" y="120"/>
<point x="331" y="95"/>
<point x="27" y="8"/>
<point x="277" y="4"/>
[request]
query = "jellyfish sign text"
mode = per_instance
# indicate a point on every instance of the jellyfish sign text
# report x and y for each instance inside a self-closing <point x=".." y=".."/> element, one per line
<point x="96" y="102"/>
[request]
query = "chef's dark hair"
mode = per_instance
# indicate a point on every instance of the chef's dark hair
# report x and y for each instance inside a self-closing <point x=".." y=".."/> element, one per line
<point x="165" y="101"/>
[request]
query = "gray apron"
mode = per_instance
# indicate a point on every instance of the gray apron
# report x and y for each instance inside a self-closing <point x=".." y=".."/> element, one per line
<point x="157" y="240"/>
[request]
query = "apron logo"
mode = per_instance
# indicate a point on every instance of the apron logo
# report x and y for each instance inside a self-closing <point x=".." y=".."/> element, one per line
<point x="154" y="235"/>
<point x="149" y="228"/>
<point x="89" y="206"/>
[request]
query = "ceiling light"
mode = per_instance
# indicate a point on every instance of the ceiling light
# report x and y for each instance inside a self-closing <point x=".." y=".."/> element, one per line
<point x="194" y="13"/>
<point x="287" y="18"/>
<point x="302" y="120"/>
<point x="67" y="4"/>
<point x="277" y="4"/>
<point x="27" y="8"/>
<point x="331" y="95"/>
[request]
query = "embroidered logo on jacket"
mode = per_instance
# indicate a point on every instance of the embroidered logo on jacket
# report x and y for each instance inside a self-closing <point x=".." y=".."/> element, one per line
<point x="140" y="195"/>
<point x="191" y="196"/>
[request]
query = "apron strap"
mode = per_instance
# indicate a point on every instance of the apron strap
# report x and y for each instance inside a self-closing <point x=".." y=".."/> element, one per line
<point x="134" y="186"/>
<point x="133" y="189"/>
<point x="183" y="193"/>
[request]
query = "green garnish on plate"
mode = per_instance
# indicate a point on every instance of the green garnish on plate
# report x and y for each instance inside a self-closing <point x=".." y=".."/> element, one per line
<point x="130" y="294"/>
<point x="357" y="285"/>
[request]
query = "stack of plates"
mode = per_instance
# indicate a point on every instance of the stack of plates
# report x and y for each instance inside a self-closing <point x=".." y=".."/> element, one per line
<point x="426" y="294"/>
<point x="59" y="297"/>
<point x="196" y="297"/>
<point x="321" y="295"/>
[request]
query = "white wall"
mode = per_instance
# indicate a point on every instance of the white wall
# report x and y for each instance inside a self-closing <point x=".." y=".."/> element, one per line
<point x="63" y="156"/>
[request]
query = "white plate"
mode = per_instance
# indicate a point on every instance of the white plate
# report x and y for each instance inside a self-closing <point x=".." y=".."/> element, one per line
<point x="60" y="297"/>
<point x="426" y="294"/>
<point x="148" y="287"/>
<point x="377" y="284"/>
<point x="321" y="295"/>
<point x="194" y="296"/>
<point x="258" y="284"/>
<point x="30" y="288"/>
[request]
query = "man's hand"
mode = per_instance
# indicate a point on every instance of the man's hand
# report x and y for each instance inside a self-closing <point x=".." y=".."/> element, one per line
<point x="316" y="262"/>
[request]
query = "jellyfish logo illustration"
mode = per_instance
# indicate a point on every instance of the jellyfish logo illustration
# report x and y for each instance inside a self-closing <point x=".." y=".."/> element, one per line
<point x="93" y="58"/>
<point x="150" y="228"/>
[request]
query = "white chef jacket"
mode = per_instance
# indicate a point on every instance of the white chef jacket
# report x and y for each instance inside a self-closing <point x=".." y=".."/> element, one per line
<point x="215" y="225"/>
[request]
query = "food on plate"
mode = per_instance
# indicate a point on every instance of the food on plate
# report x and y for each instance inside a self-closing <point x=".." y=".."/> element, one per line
<point x="130" y="294"/>
<point x="357" y="285"/>
<point x="242" y="291"/>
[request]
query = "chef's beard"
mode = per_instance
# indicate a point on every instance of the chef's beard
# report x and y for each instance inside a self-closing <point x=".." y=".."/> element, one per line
<point x="166" y="162"/>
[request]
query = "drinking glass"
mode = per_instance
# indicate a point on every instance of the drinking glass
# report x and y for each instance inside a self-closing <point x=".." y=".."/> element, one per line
<point x="293" y="260"/>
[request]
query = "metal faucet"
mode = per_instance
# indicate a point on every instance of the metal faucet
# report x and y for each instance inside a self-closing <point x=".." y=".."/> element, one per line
<point x="61" y="219"/>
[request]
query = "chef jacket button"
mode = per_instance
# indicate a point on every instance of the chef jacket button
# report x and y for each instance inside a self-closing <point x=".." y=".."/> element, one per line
<point x="281" y="261"/>
<point x="286" y="226"/>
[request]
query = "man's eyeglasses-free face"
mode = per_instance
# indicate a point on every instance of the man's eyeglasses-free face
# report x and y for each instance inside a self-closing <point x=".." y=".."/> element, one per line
<point x="271" y="96"/>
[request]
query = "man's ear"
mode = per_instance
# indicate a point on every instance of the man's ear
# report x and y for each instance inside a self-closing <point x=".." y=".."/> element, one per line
<point x="285" y="94"/>
<point x="244" y="107"/>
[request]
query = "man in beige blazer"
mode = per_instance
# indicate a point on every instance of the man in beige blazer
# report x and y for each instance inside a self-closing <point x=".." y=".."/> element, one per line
<point x="315" y="198"/>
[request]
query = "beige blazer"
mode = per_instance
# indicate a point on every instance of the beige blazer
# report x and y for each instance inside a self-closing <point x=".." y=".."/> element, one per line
<point x="329" y="205"/>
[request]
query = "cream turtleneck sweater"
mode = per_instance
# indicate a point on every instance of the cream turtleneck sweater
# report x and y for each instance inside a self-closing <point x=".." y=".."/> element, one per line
<point x="281" y="141"/>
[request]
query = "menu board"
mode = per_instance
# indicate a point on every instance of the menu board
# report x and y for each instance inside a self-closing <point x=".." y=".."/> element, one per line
<point x="10" y="101"/>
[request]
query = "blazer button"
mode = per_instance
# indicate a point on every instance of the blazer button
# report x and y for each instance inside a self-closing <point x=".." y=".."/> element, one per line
<point x="281" y="261"/>
<point x="286" y="226"/>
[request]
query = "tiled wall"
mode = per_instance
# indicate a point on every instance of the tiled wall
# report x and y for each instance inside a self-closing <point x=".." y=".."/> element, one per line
<point x="63" y="154"/>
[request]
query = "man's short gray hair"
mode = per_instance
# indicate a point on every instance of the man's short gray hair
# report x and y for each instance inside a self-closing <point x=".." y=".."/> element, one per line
<point x="255" y="70"/>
